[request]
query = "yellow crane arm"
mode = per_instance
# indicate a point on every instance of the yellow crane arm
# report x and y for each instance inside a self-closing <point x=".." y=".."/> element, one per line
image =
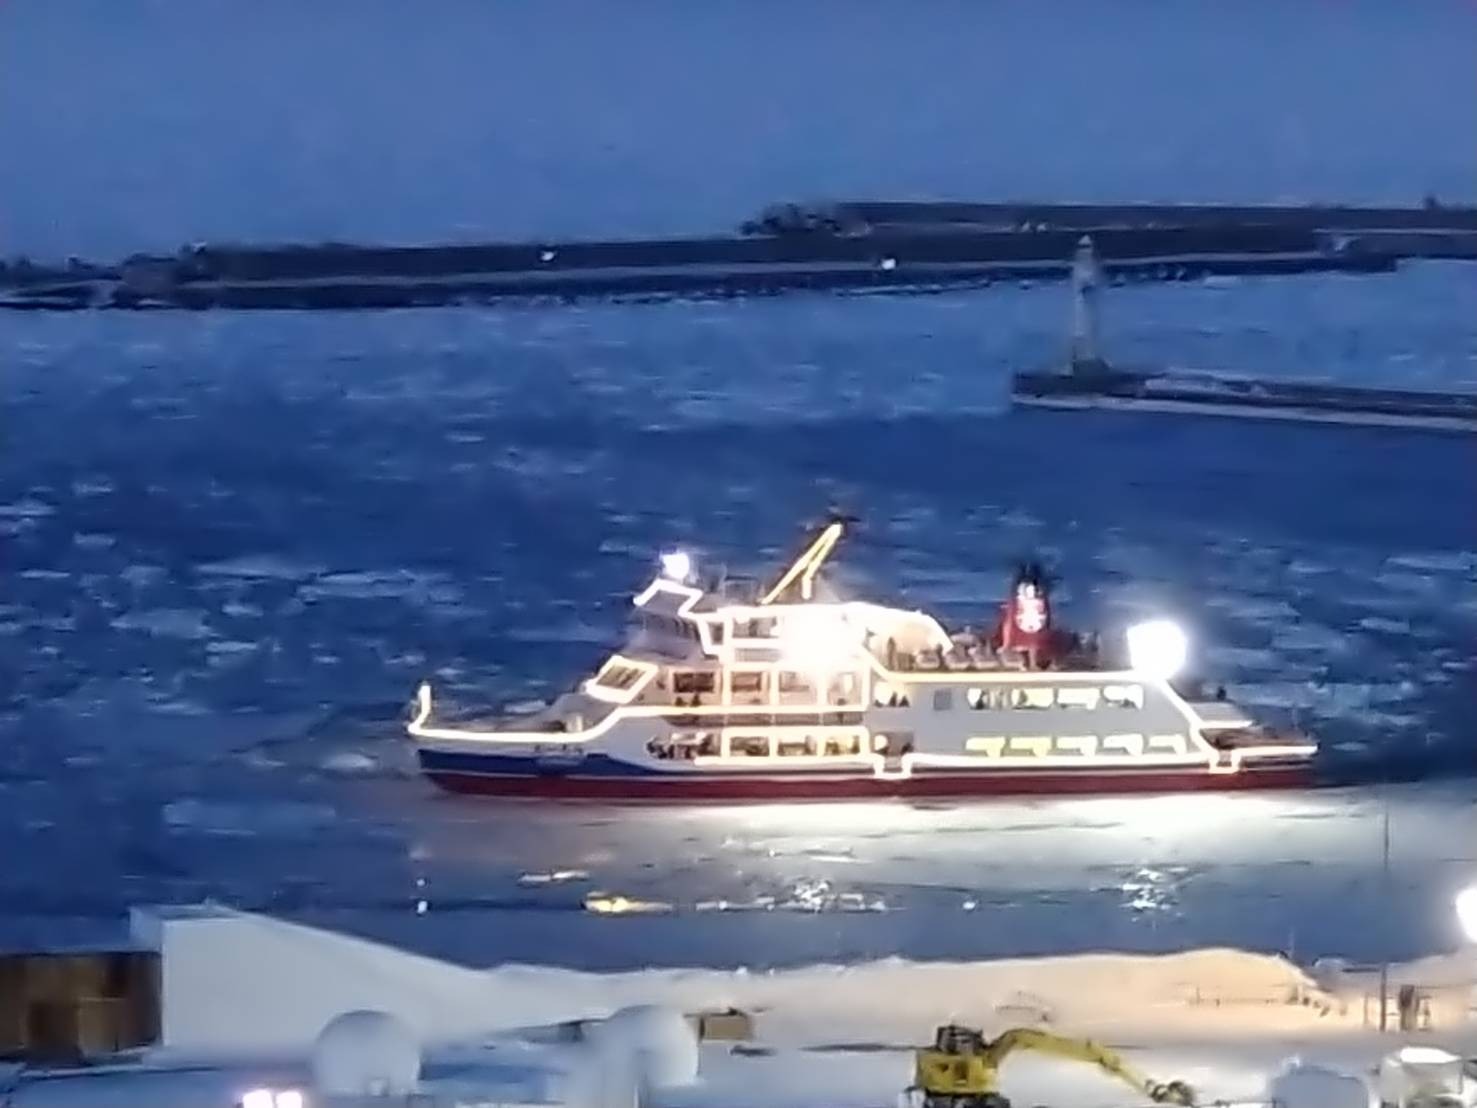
<point x="1084" y="1050"/>
<point x="804" y="568"/>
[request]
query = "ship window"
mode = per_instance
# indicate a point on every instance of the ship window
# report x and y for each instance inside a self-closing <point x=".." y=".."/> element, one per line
<point x="758" y="628"/>
<point x="791" y="746"/>
<point x="749" y="746"/>
<point x="943" y="699"/>
<point x="688" y="681"/>
<point x="1124" y="696"/>
<point x="747" y="682"/>
<point x="1175" y="743"/>
<point x="1038" y="745"/>
<point x="794" y="682"/>
<point x="1037" y="696"/>
<point x="990" y="745"/>
<point x="889" y="697"/>
<point x="681" y="746"/>
<point x="842" y="746"/>
<point x="709" y="745"/>
<point x="1085" y="745"/>
<point x="984" y="700"/>
<point x="717" y="630"/>
<point x="1083" y="696"/>
<point x="618" y="676"/>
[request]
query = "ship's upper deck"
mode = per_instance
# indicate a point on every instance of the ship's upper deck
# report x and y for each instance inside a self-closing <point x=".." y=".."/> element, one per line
<point x="735" y="648"/>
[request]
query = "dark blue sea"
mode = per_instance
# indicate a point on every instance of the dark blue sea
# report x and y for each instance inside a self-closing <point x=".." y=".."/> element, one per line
<point x="233" y="544"/>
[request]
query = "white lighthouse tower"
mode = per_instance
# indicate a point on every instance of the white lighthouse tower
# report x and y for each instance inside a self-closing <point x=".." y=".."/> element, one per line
<point x="1087" y="279"/>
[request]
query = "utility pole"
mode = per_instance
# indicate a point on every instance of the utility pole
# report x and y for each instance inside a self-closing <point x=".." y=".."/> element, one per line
<point x="1385" y="907"/>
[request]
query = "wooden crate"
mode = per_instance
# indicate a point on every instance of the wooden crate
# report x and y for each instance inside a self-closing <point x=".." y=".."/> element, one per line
<point x="59" y="1007"/>
<point x="729" y="1025"/>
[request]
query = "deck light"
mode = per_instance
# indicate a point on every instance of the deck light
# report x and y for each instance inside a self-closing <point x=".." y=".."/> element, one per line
<point x="1466" y="912"/>
<point x="677" y="565"/>
<point x="1157" y="648"/>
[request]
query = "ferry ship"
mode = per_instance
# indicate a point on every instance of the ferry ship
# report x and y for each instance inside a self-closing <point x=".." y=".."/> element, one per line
<point x="733" y="692"/>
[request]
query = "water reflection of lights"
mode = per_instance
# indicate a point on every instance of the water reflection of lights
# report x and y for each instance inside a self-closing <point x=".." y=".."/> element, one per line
<point x="1201" y="814"/>
<point x="806" y="896"/>
<point x="607" y="904"/>
<point x="1151" y="890"/>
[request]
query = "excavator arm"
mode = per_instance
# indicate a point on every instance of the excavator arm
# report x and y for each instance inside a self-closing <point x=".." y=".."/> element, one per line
<point x="962" y="1069"/>
<point x="1084" y="1050"/>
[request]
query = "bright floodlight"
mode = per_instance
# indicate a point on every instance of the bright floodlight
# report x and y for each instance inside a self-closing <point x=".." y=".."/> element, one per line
<point x="289" y="1098"/>
<point x="817" y="637"/>
<point x="257" y="1098"/>
<point x="1157" y="648"/>
<point x="1466" y="912"/>
<point x="677" y="565"/>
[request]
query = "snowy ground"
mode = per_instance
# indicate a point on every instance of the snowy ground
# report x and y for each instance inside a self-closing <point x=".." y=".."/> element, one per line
<point x="245" y="999"/>
<point x="234" y="544"/>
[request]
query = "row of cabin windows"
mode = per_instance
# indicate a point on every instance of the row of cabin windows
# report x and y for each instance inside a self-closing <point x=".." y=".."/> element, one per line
<point x="1079" y="745"/>
<point x="690" y="681"/>
<point x="1043" y="696"/>
<point x="706" y="681"/>
<point x="745" y="682"/>
<point x="765" y="628"/>
<point x="687" y="745"/>
<point x="992" y="698"/>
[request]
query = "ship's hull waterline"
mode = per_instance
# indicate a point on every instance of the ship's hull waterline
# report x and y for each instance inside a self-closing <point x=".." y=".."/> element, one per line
<point x="609" y="781"/>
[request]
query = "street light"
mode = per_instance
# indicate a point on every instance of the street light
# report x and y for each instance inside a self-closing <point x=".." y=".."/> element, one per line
<point x="1466" y="912"/>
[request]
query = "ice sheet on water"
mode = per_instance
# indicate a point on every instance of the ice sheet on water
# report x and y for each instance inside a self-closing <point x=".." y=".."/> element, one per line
<point x="350" y="763"/>
<point x="1385" y="625"/>
<point x="43" y="575"/>
<point x="172" y="623"/>
<point x="1276" y="694"/>
<point x="1356" y="700"/>
<point x="1437" y="561"/>
<point x="568" y="631"/>
<point x="262" y="817"/>
<point x="1312" y="637"/>
<point x="381" y="584"/>
<point x="271" y="567"/>
<point x="142" y="575"/>
<point x="27" y="508"/>
<point x="1238" y="659"/>
<point x="1258" y="611"/>
<point x="1407" y="583"/>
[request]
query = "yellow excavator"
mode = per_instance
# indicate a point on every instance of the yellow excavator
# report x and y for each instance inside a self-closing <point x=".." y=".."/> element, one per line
<point x="962" y="1068"/>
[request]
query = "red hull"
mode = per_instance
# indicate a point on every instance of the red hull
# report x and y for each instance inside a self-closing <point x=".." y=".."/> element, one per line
<point x="684" y="790"/>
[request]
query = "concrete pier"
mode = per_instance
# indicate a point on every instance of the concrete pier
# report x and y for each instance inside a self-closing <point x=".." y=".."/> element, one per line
<point x="845" y="246"/>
